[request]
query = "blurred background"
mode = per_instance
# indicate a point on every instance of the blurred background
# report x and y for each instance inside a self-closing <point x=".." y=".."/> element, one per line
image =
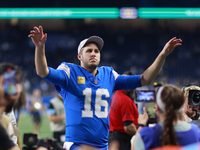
<point x="130" y="44"/>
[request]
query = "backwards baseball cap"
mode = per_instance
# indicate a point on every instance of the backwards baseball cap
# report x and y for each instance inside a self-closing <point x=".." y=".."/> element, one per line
<point x="96" y="39"/>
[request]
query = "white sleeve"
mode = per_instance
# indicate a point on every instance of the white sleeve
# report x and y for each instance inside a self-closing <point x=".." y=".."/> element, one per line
<point x="138" y="143"/>
<point x="115" y="74"/>
<point x="11" y="115"/>
<point x="65" y="68"/>
<point x="11" y="133"/>
<point x="10" y="127"/>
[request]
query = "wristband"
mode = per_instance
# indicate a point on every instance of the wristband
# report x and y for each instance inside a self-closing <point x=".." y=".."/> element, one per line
<point x="140" y="125"/>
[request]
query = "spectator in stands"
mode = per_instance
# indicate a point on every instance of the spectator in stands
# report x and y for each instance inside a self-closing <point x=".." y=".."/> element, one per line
<point x="56" y="116"/>
<point x="123" y="117"/>
<point x="35" y="108"/>
<point x="170" y="130"/>
<point x="86" y="88"/>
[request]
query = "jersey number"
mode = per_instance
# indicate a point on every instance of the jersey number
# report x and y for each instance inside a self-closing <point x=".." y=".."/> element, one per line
<point x="99" y="102"/>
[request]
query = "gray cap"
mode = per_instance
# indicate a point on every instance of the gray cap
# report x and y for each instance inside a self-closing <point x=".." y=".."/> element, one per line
<point x="96" y="39"/>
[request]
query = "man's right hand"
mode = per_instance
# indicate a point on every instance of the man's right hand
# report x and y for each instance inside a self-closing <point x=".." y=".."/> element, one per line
<point x="38" y="37"/>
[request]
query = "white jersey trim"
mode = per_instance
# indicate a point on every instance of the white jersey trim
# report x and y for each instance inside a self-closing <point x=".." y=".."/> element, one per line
<point x="65" y="68"/>
<point x="115" y="74"/>
<point x="67" y="145"/>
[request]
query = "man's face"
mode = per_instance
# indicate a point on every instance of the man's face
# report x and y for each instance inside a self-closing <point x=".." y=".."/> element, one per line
<point x="89" y="56"/>
<point x="7" y="101"/>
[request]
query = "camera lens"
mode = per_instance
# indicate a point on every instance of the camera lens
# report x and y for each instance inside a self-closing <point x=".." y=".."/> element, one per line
<point x="196" y="97"/>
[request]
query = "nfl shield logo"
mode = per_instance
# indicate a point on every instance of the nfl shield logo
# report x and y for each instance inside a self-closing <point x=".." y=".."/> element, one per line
<point x="95" y="81"/>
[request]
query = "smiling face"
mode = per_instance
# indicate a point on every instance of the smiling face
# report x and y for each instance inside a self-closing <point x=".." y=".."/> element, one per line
<point x="89" y="56"/>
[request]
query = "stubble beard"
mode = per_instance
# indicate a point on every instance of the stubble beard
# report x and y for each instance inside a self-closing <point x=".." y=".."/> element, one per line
<point x="92" y="66"/>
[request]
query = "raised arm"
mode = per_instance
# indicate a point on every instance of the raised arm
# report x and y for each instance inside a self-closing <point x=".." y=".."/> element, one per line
<point x="151" y="72"/>
<point x="39" y="39"/>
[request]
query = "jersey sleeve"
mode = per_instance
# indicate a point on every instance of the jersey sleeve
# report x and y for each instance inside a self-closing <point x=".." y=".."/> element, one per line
<point x="138" y="142"/>
<point x="59" y="77"/>
<point x="51" y="110"/>
<point x="127" y="82"/>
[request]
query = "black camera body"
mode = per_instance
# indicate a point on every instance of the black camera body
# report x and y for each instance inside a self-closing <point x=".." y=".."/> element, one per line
<point x="32" y="143"/>
<point x="194" y="98"/>
<point x="30" y="140"/>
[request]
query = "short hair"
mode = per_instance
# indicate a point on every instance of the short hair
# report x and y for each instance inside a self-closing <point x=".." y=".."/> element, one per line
<point x="4" y="67"/>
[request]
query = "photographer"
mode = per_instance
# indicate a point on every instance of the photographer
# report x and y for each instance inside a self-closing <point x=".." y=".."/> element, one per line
<point x="10" y="90"/>
<point x="190" y="107"/>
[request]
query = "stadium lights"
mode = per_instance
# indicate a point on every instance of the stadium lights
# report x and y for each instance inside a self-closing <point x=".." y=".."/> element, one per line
<point x="58" y="13"/>
<point x="100" y="13"/>
<point x="169" y="13"/>
<point x="128" y="13"/>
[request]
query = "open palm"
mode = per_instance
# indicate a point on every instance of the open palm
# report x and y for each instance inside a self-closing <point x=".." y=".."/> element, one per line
<point x="37" y="36"/>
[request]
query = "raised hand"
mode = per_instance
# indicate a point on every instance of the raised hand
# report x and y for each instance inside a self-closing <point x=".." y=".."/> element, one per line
<point x="38" y="37"/>
<point x="170" y="45"/>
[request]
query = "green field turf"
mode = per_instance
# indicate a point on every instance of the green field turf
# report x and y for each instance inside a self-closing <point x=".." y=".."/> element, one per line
<point x="26" y="126"/>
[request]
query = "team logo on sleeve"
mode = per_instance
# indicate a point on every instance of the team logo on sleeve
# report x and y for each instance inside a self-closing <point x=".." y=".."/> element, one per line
<point x="81" y="80"/>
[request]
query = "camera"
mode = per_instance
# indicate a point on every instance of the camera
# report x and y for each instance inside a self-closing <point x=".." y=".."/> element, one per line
<point x="194" y="98"/>
<point x="32" y="142"/>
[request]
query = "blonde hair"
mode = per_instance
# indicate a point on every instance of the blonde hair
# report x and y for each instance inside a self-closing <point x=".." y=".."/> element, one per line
<point x="186" y="88"/>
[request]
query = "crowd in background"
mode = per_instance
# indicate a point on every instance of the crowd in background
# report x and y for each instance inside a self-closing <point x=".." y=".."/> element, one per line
<point x="125" y="49"/>
<point x="110" y="3"/>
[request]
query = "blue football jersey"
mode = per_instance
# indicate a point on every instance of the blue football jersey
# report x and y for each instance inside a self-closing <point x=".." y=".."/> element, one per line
<point x="87" y="100"/>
